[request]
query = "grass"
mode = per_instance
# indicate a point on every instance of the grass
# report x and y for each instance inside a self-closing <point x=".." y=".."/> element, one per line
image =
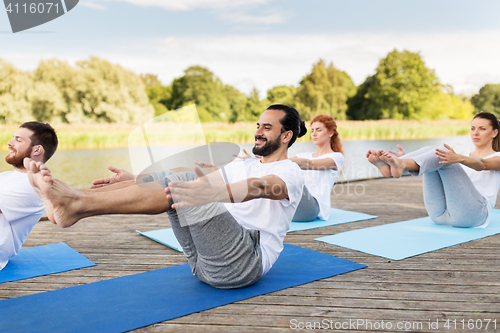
<point x="118" y="135"/>
<point x="401" y="129"/>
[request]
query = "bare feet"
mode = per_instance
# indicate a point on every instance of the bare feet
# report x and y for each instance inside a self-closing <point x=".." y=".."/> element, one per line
<point x="59" y="199"/>
<point x="374" y="158"/>
<point x="395" y="164"/>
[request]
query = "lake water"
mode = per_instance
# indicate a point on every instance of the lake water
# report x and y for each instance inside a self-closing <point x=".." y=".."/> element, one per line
<point x="78" y="167"/>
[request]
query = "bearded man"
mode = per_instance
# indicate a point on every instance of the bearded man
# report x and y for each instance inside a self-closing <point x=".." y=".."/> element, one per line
<point x="231" y="223"/>
<point x="20" y="207"/>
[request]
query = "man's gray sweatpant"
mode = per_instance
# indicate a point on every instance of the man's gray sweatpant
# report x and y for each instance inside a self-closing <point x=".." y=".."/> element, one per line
<point x="219" y="250"/>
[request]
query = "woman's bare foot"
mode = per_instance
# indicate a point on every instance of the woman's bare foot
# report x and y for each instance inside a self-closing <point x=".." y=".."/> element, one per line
<point x="374" y="158"/>
<point x="60" y="200"/>
<point x="395" y="164"/>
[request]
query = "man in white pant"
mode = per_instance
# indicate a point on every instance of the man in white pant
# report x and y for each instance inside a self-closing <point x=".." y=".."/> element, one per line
<point x="20" y="206"/>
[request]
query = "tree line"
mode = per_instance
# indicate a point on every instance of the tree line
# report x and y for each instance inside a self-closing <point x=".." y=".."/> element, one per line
<point x="95" y="90"/>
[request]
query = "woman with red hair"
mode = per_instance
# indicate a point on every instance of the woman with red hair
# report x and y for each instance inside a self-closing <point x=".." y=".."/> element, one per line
<point x="321" y="169"/>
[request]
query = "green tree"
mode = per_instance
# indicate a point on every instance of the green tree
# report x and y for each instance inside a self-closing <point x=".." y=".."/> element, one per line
<point x="254" y="106"/>
<point x="201" y="87"/>
<point x="359" y="106"/>
<point x="325" y="90"/>
<point x="47" y="103"/>
<point x="401" y="88"/>
<point x="488" y="99"/>
<point x="158" y="94"/>
<point x="113" y="94"/>
<point x="93" y="91"/>
<point x="447" y="106"/>
<point x="281" y="95"/>
<point x="14" y="86"/>
<point x="237" y="103"/>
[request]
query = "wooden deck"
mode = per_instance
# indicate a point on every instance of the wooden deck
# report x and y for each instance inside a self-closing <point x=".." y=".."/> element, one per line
<point x="457" y="283"/>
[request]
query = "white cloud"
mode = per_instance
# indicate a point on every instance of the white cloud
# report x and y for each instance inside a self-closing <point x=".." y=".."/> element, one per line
<point x="465" y="60"/>
<point x="193" y="4"/>
<point x="90" y="4"/>
<point x="253" y="19"/>
<point x="171" y="43"/>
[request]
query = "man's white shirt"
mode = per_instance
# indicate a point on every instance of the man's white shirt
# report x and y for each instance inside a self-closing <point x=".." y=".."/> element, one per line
<point x="271" y="217"/>
<point x="21" y="208"/>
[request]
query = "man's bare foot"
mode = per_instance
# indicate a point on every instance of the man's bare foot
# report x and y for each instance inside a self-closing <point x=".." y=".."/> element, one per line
<point x="374" y="158"/>
<point x="395" y="164"/>
<point x="60" y="200"/>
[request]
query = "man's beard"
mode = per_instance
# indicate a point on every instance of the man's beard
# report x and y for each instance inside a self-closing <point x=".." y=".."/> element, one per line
<point x="268" y="148"/>
<point x="17" y="159"/>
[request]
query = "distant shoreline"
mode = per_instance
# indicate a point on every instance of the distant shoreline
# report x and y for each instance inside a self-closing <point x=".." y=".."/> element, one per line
<point x="117" y="135"/>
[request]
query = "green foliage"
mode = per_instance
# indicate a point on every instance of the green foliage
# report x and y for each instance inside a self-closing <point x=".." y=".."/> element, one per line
<point x="488" y="99"/>
<point x="47" y="103"/>
<point x="97" y="91"/>
<point x="214" y="101"/>
<point x="158" y="94"/>
<point x="402" y="88"/>
<point x="201" y="87"/>
<point x="237" y="104"/>
<point x="93" y="91"/>
<point x="325" y="90"/>
<point x="253" y="107"/>
<point x="447" y="106"/>
<point x="14" y="85"/>
<point x="281" y="95"/>
<point x="359" y="106"/>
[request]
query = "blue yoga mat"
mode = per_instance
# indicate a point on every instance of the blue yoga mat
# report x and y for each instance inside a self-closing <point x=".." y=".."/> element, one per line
<point x="337" y="216"/>
<point x="43" y="260"/>
<point x="405" y="239"/>
<point x="163" y="236"/>
<point x="139" y="300"/>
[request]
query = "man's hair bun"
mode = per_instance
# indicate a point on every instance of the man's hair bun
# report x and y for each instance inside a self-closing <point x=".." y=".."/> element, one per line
<point x="303" y="129"/>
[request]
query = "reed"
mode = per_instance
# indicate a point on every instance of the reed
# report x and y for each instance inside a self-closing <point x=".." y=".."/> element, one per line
<point x="401" y="129"/>
<point x="118" y="135"/>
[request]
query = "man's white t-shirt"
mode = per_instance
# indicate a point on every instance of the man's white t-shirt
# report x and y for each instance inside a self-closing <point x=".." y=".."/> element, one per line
<point x="271" y="217"/>
<point x="486" y="182"/>
<point x="21" y="209"/>
<point x="320" y="182"/>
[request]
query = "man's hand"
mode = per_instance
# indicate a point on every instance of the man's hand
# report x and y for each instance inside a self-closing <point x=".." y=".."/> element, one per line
<point x="120" y="176"/>
<point x="198" y="192"/>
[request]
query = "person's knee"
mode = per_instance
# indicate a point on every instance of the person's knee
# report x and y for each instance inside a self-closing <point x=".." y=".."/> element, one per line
<point x="462" y="220"/>
<point x="440" y="221"/>
<point x="470" y="222"/>
<point x="443" y="219"/>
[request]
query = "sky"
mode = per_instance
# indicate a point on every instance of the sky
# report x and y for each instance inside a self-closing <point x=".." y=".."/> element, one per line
<point x="265" y="43"/>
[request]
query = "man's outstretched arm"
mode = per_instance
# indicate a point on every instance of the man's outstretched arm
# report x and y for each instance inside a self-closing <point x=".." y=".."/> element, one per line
<point x="65" y="205"/>
<point x="211" y="188"/>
